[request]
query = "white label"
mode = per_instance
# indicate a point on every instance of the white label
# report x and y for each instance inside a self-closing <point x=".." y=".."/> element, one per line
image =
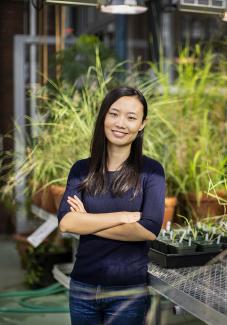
<point x="43" y="231"/>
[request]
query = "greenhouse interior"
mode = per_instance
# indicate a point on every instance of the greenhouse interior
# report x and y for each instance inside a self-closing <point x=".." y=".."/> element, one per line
<point x="113" y="162"/>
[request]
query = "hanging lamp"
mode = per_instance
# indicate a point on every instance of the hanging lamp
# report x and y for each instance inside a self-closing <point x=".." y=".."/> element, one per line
<point x="128" y="7"/>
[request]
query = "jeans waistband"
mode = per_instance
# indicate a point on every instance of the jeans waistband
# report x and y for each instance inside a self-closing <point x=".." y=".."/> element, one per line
<point x="89" y="291"/>
<point x="104" y="287"/>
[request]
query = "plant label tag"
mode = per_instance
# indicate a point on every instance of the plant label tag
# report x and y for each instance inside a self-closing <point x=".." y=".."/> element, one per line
<point x="38" y="236"/>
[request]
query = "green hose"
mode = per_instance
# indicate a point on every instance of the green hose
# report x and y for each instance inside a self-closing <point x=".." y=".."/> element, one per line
<point x="33" y="293"/>
<point x="28" y="294"/>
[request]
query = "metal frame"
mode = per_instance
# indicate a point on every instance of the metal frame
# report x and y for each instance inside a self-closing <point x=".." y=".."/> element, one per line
<point x="185" y="300"/>
<point x="170" y="290"/>
<point x="20" y="43"/>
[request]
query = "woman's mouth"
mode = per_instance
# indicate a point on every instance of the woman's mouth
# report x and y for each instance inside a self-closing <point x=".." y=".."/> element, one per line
<point x="119" y="134"/>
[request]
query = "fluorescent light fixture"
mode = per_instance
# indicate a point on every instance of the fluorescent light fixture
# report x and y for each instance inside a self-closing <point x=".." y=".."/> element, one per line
<point x="215" y="7"/>
<point x="128" y="7"/>
<point x="74" y="2"/>
<point x="108" y="6"/>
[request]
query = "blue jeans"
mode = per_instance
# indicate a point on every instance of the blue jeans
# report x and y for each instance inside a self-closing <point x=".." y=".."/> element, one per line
<point x="113" y="305"/>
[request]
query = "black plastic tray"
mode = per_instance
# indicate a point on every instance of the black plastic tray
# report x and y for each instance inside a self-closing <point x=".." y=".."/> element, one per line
<point x="179" y="260"/>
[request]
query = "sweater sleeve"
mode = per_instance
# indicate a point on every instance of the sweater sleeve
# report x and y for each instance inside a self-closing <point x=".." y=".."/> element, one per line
<point x="71" y="189"/>
<point x="154" y="200"/>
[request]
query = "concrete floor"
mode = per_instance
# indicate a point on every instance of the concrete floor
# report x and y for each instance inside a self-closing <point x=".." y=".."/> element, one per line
<point x="12" y="277"/>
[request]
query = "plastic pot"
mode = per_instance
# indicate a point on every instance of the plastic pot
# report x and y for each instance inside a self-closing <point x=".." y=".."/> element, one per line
<point x="208" y="246"/>
<point x="163" y="245"/>
<point x="181" y="248"/>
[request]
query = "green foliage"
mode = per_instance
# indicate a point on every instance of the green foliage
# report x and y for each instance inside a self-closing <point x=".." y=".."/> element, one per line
<point x="192" y="229"/>
<point x="186" y="129"/>
<point x="65" y="126"/>
<point x="36" y="271"/>
<point x="76" y="59"/>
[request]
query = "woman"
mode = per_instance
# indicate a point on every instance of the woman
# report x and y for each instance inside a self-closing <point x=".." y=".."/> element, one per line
<point x="115" y="201"/>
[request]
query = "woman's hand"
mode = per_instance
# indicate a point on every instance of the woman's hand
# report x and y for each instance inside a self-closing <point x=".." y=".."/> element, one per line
<point x="130" y="217"/>
<point x="76" y="205"/>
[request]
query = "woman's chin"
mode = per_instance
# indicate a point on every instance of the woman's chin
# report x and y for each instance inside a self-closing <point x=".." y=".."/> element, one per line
<point x="119" y="142"/>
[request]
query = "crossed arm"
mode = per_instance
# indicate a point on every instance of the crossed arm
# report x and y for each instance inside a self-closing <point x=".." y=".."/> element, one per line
<point x="127" y="232"/>
<point x="118" y="226"/>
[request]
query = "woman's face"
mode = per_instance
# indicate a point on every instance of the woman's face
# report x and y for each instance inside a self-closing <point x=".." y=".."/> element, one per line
<point x="123" y="121"/>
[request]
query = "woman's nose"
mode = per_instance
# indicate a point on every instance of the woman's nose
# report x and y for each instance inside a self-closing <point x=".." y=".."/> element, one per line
<point x="120" y="122"/>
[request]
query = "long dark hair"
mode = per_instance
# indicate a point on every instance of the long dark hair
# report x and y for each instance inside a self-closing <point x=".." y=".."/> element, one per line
<point x="129" y="174"/>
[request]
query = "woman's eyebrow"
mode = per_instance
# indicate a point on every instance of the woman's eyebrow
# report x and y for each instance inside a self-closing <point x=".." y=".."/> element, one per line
<point x="117" y="110"/>
<point x="112" y="108"/>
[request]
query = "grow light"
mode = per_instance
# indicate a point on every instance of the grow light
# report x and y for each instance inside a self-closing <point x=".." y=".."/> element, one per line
<point x="215" y="7"/>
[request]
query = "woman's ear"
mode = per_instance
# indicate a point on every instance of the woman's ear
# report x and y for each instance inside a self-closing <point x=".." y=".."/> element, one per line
<point x="143" y="125"/>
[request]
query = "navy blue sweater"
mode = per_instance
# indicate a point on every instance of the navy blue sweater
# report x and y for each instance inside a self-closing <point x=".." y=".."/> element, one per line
<point x="114" y="262"/>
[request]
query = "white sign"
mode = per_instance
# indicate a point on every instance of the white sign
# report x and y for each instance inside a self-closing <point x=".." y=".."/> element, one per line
<point x="41" y="233"/>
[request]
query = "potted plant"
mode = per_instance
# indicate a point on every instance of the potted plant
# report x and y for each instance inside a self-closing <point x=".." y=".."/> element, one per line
<point x="207" y="244"/>
<point x="173" y="136"/>
<point x="160" y="148"/>
<point x="201" y="202"/>
<point x="177" y="247"/>
<point x="161" y="243"/>
<point x="67" y="116"/>
<point x="213" y="231"/>
<point x="170" y="206"/>
<point x="186" y="125"/>
<point x="39" y="263"/>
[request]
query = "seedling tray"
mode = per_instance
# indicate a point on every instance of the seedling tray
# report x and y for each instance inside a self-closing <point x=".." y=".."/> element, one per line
<point x="179" y="260"/>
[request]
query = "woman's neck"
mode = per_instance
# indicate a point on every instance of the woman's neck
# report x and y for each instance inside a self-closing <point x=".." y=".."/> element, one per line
<point x="116" y="156"/>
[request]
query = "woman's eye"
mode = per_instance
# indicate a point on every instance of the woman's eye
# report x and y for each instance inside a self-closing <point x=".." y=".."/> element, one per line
<point x="132" y="118"/>
<point x="113" y="114"/>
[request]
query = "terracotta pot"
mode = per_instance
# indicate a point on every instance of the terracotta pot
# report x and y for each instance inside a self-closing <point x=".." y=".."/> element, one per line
<point x="170" y="205"/>
<point x="37" y="198"/>
<point x="57" y="192"/>
<point x="208" y="206"/>
<point x="48" y="198"/>
<point x="41" y="198"/>
<point x="47" y="202"/>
